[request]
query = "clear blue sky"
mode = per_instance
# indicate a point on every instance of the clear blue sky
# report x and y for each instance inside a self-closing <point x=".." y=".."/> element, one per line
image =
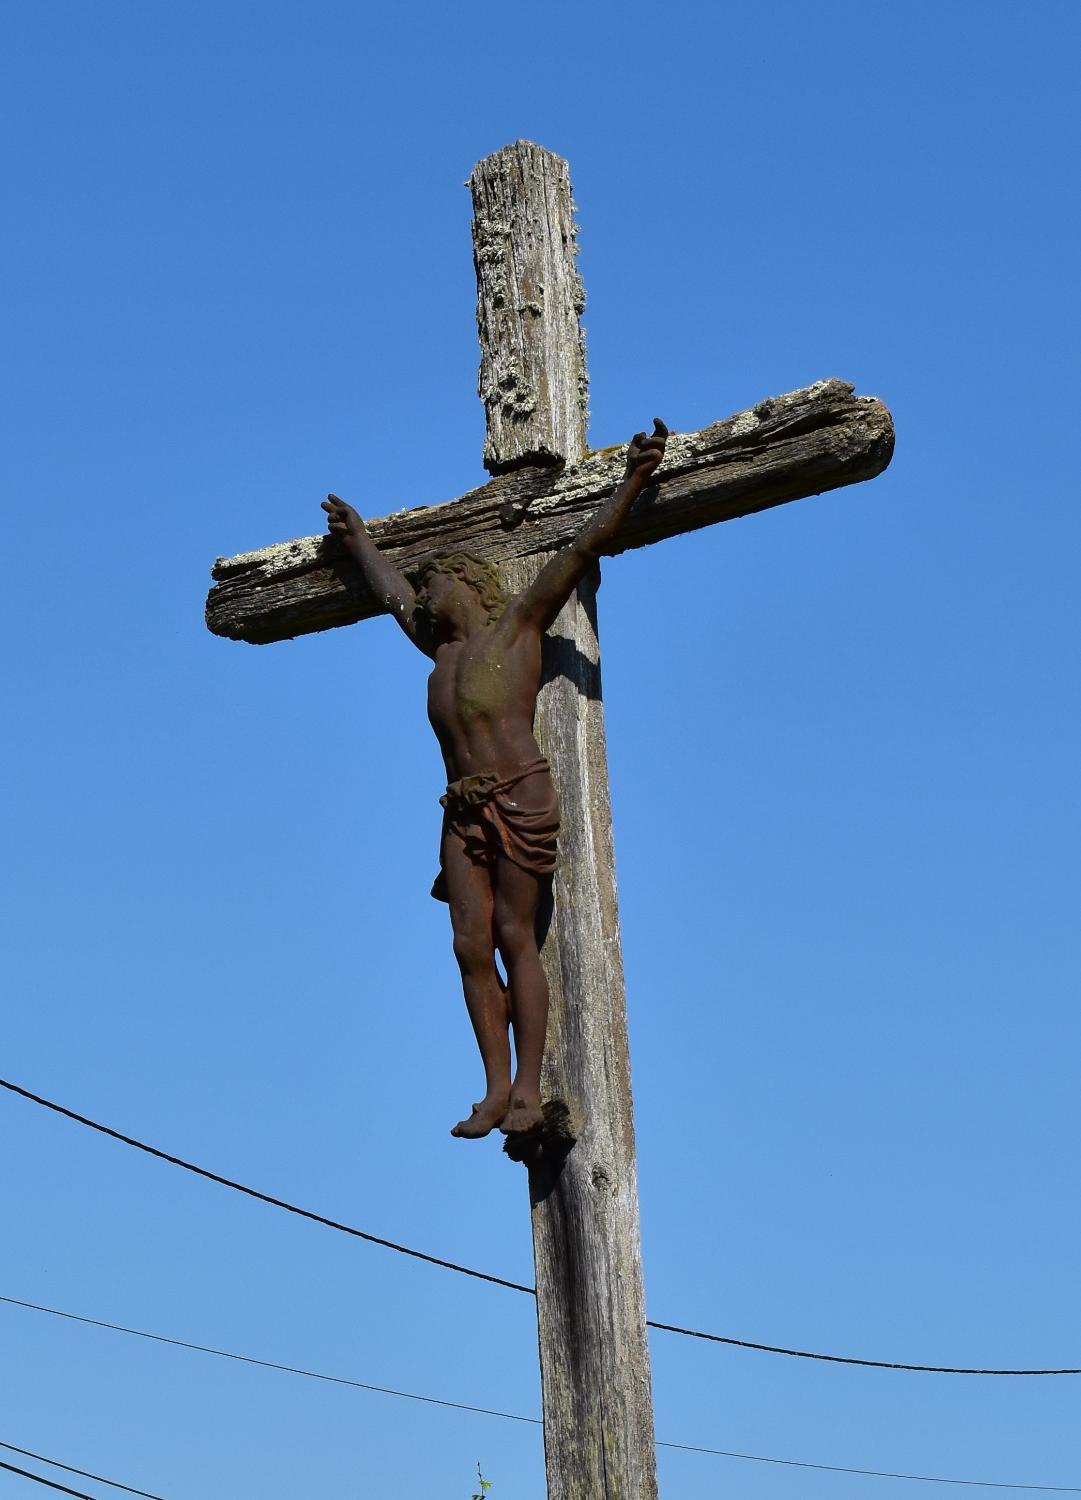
<point x="237" y="272"/>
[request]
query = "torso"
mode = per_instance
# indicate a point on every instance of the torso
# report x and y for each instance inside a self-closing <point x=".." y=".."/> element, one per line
<point x="482" y="695"/>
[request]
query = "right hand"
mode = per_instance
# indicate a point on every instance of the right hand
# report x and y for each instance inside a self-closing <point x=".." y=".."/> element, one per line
<point x="342" y="519"/>
<point x="644" y="454"/>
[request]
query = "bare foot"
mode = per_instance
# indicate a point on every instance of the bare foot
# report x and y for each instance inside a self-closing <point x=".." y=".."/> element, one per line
<point x="485" y="1117"/>
<point x="525" y="1113"/>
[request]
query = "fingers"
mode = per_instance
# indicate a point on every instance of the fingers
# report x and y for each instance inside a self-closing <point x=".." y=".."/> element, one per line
<point x="337" y="515"/>
<point x="340" y="515"/>
<point x="640" y="443"/>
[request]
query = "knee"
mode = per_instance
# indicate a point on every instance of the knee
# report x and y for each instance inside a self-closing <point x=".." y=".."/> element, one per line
<point x="515" y="938"/>
<point x="473" y="952"/>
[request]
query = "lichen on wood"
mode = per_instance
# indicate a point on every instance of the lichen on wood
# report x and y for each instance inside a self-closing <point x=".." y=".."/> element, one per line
<point x="532" y="376"/>
<point x="595" y="1380"/>
<point x="782" y="449"/>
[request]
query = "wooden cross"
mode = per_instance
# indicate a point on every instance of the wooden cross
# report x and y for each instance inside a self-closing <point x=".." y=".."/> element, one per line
<point x="597" y="1400"/>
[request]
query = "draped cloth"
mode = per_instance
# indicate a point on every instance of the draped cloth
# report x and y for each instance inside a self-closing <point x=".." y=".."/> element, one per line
<point x="481" y="812"/>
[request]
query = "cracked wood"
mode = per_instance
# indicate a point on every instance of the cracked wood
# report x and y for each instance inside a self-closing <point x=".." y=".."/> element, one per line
<point x="784" y="448"/>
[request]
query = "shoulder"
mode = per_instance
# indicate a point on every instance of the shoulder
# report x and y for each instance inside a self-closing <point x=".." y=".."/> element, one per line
<point x="537" y="606"/>
<point x="418" y="628"/>
<point x="516" y="620"/>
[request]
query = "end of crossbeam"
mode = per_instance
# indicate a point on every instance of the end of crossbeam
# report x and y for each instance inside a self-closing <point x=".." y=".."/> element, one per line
<point x="781" y="449"/>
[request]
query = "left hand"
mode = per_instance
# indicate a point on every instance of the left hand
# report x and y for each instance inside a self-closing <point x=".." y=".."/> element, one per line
<point x="342" y="519"/>
<point x="644" y="454"/>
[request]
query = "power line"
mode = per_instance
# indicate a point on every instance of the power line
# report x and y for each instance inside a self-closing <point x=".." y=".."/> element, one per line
<point x="514" y="1286"/>
<point x="37" y="1478"/>
<point x="85" y="1473"/>
<point x="266" y="1364"/>
<point x="756" y="1458"/>
<point x="793" y="1463"/>
<point x="239" y="1187"/>
<point x="847" y="1359"/>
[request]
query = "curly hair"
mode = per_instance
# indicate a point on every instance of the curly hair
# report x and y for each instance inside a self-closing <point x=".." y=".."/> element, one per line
<point x="482" y="577"/>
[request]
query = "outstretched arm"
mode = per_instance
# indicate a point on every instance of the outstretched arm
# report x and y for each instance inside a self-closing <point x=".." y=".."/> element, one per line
<point x="539" y="604"/>
<point x="390" y="586"/>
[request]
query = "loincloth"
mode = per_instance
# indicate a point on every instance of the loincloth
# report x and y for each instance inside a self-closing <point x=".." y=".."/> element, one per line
<point x="479" y="811"/>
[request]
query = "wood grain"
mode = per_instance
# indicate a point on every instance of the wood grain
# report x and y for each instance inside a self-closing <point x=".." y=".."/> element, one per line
<point x="595" y="1375"/>
<point x="529" y="298"/>
<point x="785" y="448"/>
<point x="597" y="1399"/>
<point x="595" y="1382"/>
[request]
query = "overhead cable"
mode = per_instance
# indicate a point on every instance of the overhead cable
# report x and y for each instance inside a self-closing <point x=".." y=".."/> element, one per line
<point x="40" y="1479"/>
<point x="794" y="1463"/>
<point x="239" y="1187"/>
<point x="514" y="1286"/>
<point x="757" y="1458"/>
<point x="848" y="1359"/>
<point x="84" y="1473"/>
<point x="266" y="1364"/>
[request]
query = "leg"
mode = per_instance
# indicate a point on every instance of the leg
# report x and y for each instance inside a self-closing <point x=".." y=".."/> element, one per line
<point x="516" y="895"/>
<point x="470" y="890"/>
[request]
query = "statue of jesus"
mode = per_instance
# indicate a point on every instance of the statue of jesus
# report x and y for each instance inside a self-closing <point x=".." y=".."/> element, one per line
<point x="501" y="815"/>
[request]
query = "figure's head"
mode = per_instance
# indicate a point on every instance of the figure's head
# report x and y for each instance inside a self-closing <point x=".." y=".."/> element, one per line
<point x="480" y="577"/>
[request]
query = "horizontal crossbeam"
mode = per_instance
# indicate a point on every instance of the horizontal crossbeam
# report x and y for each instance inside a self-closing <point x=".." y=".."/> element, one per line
<point x="785" y="448"/>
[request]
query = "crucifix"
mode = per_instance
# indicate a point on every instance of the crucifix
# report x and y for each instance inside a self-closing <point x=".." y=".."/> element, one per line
<point x="520" y="530"/>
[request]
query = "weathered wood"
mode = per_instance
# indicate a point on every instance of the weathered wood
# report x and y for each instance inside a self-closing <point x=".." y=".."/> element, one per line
<point x="784" y="448"/>
<point x="529" y="298"/>
<point x="597" y="1399"/>
<point x="595" y="1384"/>
<point x="598" y="1407"/>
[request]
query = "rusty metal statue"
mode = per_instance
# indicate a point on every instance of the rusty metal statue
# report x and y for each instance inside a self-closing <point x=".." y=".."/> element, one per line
<point x="501" y="815"/>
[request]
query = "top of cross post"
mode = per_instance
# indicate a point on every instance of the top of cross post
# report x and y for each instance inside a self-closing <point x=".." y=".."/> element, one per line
<point x="530" y="298"/>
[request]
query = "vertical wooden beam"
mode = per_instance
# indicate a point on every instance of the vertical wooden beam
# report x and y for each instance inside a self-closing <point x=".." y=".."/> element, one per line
<point x="597" y="1396"/>
<point x="595" y="1377"/>
<point x="529" y="298"/>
